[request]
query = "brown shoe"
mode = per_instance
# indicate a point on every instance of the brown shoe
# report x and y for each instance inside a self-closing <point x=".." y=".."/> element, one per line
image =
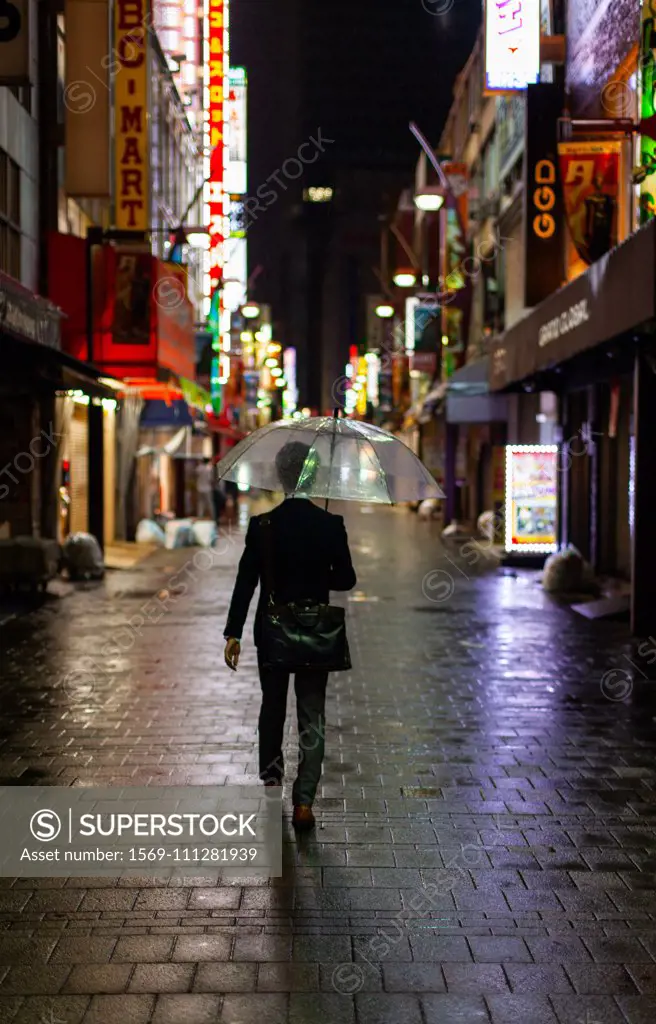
<point x="303" y="818"/>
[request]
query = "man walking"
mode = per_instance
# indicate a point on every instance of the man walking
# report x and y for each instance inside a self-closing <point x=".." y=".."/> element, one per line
<point x="310" y="557"/>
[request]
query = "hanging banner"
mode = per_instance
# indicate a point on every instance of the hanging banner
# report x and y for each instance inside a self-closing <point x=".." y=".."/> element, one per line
<point x="544" y="244"/>
<point x="455" y="292"/>
<point x="591" y="173"/>
<point x="131" y="142"/>
<point x="15" y="42"/>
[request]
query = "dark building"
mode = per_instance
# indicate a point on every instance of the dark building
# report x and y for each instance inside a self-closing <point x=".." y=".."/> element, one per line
<point x="347" y="79"/>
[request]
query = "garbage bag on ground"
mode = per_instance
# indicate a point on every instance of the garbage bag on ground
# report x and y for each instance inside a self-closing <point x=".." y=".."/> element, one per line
<point x="179" y="534"/>
<point x="566" y="571"/>
<point x="205" y="533"/>
<point x="83" y="557"/>
<point x="148" y="532"/>
<point x="429" y="509"/>
<point x="486" y="523"/>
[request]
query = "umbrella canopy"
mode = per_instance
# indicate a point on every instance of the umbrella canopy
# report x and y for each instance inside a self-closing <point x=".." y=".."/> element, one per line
<point x="346" y="460"/>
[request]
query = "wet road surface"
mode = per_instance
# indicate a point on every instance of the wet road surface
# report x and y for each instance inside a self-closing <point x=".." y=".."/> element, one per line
<point x="486" y="846"/>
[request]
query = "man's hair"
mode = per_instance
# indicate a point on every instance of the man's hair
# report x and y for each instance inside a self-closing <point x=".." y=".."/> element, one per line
<point x="290" y="462"/>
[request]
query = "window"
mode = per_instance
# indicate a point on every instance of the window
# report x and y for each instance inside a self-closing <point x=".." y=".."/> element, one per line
<point x="10" y="237"/>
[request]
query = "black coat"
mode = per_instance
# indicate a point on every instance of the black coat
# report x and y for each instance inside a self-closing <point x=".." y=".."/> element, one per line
<point x="311" y="557"/>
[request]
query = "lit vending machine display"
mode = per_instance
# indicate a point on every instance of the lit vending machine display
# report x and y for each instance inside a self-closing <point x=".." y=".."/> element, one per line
<point x="531" y="498"/>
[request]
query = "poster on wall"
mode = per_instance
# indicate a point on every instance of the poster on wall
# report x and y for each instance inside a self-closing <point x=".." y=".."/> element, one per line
<point x="601" y="35"/>
<point x="531" y="498"/>
<point x="132" y="310"/>
<point x="591" y="173"/>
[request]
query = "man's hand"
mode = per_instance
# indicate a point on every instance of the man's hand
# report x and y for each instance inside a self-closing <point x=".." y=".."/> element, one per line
<point x="232" y="652"/>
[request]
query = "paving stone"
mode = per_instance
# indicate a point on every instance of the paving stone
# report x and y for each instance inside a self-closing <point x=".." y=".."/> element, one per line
<point x="521" y="1010"/>
<point x="119" y="1010"/>
<point x="255" y="1009"/>
<point x="474" y="978"/>
<point x="143" y="949"/>
<point x="87" y="950"/>
<point x="227" y="977"/>
<point x="590" y="979"/>
<point x="282" y="977"/>
<point x="43" y="1009"/>
<point x="537" y="978"/>
<point x="637" y="1009"/>
<point x="35" y="980"/>
<point x="387" y="1009"/>
<point x="499" y="950"/>
<point x="337" y="1009"/>
<point x="186" y="1009"/>
<point x="586" y="1010"/>
<point x="416" y="977"/>
<point x="98" y="978"/>
<point x="193" y="948"/>
<point x="162" y="978"/>
<point x="441" y="948"/>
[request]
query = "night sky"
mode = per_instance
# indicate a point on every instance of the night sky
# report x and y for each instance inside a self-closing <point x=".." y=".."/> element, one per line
<point x="360" y="69"/>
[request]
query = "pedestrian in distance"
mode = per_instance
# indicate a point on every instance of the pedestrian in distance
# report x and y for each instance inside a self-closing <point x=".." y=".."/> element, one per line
<point x="204" y="489"/>
<point x="301" y="552"/>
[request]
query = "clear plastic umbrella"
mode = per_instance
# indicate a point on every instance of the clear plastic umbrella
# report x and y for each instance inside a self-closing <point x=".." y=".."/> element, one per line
<point x="346" y="460"/>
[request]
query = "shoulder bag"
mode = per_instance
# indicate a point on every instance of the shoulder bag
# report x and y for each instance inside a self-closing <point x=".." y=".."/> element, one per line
<point x="301" y="634"/>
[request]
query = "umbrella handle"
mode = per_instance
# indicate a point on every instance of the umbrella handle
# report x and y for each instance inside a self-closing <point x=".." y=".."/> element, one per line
<point x="332" y="448"/>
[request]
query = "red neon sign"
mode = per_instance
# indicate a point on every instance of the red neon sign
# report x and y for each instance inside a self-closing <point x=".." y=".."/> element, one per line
<point x="216" y="196"/>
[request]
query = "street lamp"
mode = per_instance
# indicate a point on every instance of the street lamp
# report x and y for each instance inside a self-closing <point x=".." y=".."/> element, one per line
<point x="251" y="311"/>
<point x="385" y="311"/>
<point x="405" y="278"/>
<point x="430" y="198"/>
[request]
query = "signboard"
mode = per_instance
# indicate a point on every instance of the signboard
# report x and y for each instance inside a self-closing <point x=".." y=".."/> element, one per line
<point x="512" y="44"/>
<point x="26" y="316"/>
<point x="236" y="140"/>
<point x="131" y="142"/>
<point x="531" y="498"/>
<point x="87" y="94"/>
<point x="544" y="250"/>
<point x="591" y="174"/>
<point x="14" y="42"/>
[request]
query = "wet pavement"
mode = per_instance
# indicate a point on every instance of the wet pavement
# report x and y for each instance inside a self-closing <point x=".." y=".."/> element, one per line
<point x="486" y="841"/>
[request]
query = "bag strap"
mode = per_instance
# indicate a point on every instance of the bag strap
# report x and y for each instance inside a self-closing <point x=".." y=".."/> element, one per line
<point x="267" y="560"/>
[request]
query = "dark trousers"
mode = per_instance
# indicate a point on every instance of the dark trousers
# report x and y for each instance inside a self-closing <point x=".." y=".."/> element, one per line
<point x="310" y="690"/>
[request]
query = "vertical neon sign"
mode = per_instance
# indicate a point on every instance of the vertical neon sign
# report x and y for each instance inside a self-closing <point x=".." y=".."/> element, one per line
<point x="216" y="67"/>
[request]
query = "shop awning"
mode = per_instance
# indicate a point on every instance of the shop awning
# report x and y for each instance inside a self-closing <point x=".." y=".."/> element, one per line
<point x="468" y="398"/>
<point x="615" y="296"/>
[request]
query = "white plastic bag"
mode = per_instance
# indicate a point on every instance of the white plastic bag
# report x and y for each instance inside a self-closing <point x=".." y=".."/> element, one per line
<point x="205" y="533"/>
<point x="179" y="534"/>
<point x="564" y="571"/>
<point x="148" y="532"/>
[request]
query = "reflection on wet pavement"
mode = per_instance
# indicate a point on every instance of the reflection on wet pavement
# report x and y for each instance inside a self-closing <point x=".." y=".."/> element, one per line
<point x="486" y="848"/>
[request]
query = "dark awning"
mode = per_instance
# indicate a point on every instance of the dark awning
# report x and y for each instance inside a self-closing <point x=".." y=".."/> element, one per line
<point x="468" y="398"/>
<point x="615" y="296"/>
